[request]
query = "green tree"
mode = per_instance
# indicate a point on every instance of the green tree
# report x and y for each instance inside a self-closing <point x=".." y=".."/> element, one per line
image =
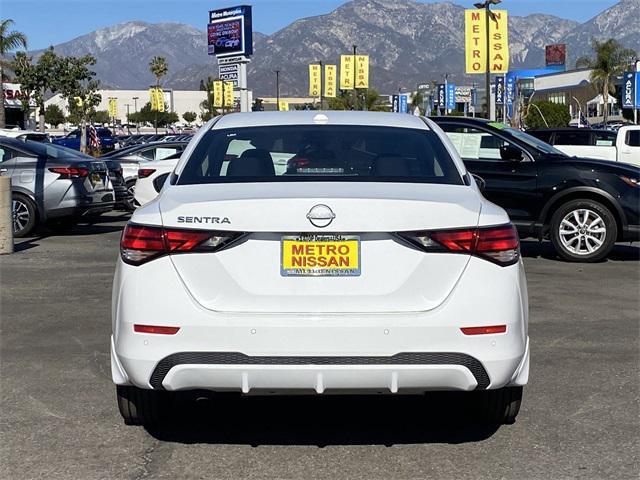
<point x="100" y="117"/>
<point x="555" y="114"/>
<point x="77" y="85"/>
<point x="345" y="101"/>
<point x="189" y="117"/>
<point x="159" y="68"/>
<point x="54" y="116"/>
<point x="10" y="40"/>
<point x="37" y="78"/>
<point x="611" y="59"/>
<point x="146" y="115"/>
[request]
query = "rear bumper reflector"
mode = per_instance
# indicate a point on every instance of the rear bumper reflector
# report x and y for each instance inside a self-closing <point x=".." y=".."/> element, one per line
<point x="484" y="330"/>
<point x="155" y="329"/>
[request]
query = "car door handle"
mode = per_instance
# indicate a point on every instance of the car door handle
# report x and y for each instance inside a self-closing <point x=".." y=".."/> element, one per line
<point x="2" y="170"/>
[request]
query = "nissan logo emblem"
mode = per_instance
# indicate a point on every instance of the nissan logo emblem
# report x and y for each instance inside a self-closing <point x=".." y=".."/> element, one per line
<point x="321" y="216"/>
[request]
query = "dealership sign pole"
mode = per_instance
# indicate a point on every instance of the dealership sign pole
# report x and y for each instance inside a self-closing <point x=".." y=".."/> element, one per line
<point x="230" y="39"/>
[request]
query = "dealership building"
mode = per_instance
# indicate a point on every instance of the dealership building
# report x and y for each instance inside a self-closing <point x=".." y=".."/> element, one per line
<point x="574" y="89"/>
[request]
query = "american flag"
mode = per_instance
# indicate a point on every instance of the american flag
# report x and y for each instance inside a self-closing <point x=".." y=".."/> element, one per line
<point x="94" y="141"/>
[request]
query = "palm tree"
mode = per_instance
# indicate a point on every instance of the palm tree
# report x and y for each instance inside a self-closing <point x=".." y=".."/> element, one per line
<point x="9" y="41"/>
<point x="417" y="100"/>
<point x="611" y="60"/>
<point x="159" y="68"/>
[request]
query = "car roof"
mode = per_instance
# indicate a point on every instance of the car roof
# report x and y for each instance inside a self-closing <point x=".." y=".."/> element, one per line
<point x="569" y="129"/>
<point x="316" y="117"/>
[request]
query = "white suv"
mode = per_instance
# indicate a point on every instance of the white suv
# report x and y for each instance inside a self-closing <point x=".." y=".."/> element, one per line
<point x="370" y="262"/>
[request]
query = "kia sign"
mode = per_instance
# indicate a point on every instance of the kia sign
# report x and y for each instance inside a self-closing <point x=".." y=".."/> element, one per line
<point x="229" y="32"/>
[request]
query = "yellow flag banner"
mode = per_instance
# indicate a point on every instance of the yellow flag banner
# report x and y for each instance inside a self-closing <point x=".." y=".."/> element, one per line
<point x="217" y="93"/>
<point x="314" y="80"/>
<point x="228" y="94"/>
<point x="347" y="70"/>
<point x="113" y="107"/>
<point x="153" y="99"/>
<point x="283" y="106"/>
<point x="475" y="41"/>
<point x="330" y="79"/>
<point x="499" y="42"/>
<point x="362" y="71"/>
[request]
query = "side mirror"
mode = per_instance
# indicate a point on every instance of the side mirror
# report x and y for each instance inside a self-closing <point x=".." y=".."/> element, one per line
<point x="511" y="154"/>
<point x="480" y="181"/>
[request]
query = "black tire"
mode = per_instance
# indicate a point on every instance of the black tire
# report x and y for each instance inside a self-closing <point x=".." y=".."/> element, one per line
<point x="501" y="406"/>
<point x="23" y="214"/>
<point x="140" y="406"/>
<point x="582" y="236"/>
<point x="128" y="201"/>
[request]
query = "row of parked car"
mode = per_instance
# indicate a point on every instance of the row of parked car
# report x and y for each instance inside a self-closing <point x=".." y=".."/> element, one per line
<point x="58" y="186"/>
<point x="525" y="174"/>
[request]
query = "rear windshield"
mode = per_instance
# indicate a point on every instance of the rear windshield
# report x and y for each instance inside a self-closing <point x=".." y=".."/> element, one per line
<point x="320" y="153"/>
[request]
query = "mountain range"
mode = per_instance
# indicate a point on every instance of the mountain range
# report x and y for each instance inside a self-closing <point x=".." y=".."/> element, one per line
<point x="408" y="43"/>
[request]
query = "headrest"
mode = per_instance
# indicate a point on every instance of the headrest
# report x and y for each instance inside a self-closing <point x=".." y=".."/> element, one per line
<point x="252" y="163"/>
<point x="390" y="166"/>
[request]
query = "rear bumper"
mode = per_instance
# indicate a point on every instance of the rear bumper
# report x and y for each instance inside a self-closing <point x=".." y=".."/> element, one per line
<point x="81" y="210"/>
<point x="393" y="352"/>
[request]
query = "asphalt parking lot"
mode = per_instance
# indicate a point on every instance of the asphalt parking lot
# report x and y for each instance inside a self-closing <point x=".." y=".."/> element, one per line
<point x="59" y="417"/>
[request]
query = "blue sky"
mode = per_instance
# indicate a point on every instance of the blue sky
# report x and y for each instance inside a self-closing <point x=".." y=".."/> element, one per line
<point x="49" y="22"/>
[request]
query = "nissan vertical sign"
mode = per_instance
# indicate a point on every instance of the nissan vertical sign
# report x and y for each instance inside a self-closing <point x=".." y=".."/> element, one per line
<point x="230" y="31"/>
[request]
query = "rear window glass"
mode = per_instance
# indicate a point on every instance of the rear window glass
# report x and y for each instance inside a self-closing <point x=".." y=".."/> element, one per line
<point x="633" y="138"/>
<point x="579" y="137"/>
<point x="320" y="153"/>
<point x="605" y="139"/>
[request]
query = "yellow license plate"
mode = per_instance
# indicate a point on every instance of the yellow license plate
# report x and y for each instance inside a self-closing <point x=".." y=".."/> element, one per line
<point x="320" y="255"/>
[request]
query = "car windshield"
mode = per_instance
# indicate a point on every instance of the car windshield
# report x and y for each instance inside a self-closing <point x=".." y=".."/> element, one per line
<point x="530" y="140"/>
<point x="320" y="153"/>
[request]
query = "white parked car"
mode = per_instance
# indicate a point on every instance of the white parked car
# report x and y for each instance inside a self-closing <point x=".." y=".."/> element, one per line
<point x="151" y="177"/>
<point x="617" y="146"/>
<point x="372" y="263"/>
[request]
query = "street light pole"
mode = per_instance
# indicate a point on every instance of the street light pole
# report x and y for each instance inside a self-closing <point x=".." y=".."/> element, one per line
<point x="355" y="91"/>
<point x="277" y="72"/>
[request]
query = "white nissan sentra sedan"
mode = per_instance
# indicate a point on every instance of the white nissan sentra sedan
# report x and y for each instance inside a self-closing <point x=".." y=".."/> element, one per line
<point x="326" y="252"/>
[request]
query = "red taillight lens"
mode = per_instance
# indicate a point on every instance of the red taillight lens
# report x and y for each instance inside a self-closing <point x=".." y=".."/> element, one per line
<point x="484" y="330"/>
<point x="145" y="172"/>
<point x="141" y="243"/>
<point x="155" y="329"/>
<point x="70" y="172"/>
<point x="498" y="244"/>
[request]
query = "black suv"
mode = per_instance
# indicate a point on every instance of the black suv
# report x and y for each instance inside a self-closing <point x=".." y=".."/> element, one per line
<point x="583" y="206"/>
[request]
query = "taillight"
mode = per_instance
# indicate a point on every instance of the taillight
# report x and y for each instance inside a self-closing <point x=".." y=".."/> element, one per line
<point x="140" y="243"/>
<point x="70" y="172"/>
<point x="498" y="244"/>
<point x="145" y="172"/>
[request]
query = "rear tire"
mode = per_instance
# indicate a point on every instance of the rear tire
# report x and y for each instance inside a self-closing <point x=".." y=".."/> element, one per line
<point x="23" y="215"/>
<point x="128" y="202"/>
<point x="583" y="231"/>
<point x="139" y="406"/>
<point x="499" y="406"/>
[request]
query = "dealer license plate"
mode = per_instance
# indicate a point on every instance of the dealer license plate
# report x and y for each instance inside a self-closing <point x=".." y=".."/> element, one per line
<point x="320" y="255"/>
